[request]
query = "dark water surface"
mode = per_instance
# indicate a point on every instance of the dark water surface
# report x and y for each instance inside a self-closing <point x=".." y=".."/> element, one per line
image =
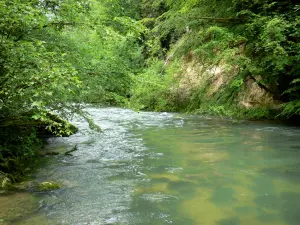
<point x="160" y="168"/>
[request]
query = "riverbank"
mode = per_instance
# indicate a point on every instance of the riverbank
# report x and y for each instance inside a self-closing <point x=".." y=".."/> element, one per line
<point x="191" y="86"/>
<point x="22" y="140"/>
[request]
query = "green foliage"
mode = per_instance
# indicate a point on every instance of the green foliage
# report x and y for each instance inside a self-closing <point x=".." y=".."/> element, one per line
<point x="291" y="109"/>
<point x="19" y="145"/>
<point x="56" y="52"/>
<point x="156" y="90"/>
<point x="53" y="53"/>
<point x="149" y="89"/>
<point x="104" y="50"/>
<point x="255" y="39"/>
<point x="104" y="62"/>
<point x="33" y="78"/>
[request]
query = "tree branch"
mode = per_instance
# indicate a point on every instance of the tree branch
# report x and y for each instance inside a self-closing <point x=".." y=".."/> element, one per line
<point x="262" y="86"/>
<point x="222" y="20"/>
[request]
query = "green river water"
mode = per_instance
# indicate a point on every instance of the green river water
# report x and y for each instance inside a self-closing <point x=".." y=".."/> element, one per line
<point x="161" y="168"/>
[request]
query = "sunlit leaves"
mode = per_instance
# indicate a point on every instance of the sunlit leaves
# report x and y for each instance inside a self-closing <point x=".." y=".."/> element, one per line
<point x="19" y="18"/>
<point x="33" y="78"/>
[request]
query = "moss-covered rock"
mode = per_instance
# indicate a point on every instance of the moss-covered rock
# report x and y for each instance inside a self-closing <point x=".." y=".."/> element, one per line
<point x="6" y="182"/>
<point x="48" y="186"/>
<point x="59" y="126"/>
<point x="34" y="186"/>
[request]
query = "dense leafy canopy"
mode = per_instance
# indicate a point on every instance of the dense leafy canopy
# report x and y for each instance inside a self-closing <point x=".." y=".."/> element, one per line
<point x="53" y="54"/>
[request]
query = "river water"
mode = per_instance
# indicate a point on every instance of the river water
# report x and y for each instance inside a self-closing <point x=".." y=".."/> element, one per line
<point x="160" y="168"/>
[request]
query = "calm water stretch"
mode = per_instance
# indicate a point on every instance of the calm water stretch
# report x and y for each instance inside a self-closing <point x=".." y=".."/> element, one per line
<point x="161" y="168"/>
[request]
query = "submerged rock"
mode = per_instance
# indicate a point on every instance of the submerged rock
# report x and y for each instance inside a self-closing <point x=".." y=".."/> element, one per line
<point x="17" y="205"/>
<point x="58" y="150"/>
<point x="33" y="186"/>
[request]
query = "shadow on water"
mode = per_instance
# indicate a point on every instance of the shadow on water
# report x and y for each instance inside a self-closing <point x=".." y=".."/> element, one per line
<point x="230" y="221"/>
<point x="183" y="187"/>
<point x="289" y="173"/>
<point x="291" y="207"/>
<point x="223" y="195"/>
<point x="157" y="208"/>
<point x="282" y="206"/>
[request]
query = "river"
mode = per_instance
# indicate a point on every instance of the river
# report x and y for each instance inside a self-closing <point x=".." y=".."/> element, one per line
<point x="149" y="168"/>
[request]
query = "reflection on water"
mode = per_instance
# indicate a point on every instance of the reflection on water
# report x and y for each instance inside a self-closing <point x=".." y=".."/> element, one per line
<point x="160" y="168"/>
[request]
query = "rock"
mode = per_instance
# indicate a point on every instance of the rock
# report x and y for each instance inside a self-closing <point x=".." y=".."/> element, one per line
<point x="48" y="186"/>
<point x="34" y="186"/>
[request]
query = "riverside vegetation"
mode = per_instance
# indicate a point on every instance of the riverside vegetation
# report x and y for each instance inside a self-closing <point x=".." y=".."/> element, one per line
<point x="235" y="57"/>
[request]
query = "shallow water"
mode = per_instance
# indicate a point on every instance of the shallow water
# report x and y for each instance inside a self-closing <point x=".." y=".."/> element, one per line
<point x="160" y="168"/>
